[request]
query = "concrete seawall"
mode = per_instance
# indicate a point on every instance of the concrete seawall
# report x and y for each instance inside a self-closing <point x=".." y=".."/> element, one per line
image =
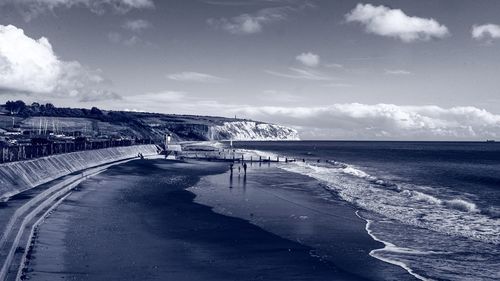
<point x="19" y="176"/>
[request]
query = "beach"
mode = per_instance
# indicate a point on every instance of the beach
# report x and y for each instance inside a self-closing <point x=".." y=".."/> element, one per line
<point x="172" y="220"/>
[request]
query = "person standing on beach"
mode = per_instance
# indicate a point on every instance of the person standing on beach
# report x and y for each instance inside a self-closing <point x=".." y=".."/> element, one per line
<point x="239" y="169"/>
<point x="245" y="168"/>
<point x="231" y="166"/>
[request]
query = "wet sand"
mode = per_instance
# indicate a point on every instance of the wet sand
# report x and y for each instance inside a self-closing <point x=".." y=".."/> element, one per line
<point x="298" y="208"/>
<point x="137" y="221"/>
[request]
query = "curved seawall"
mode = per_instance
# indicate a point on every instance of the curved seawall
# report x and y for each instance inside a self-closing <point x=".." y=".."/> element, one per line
<point x="19" y="176"/>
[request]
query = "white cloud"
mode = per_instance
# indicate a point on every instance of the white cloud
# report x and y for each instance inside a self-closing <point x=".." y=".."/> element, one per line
<point x="254" y="23"/>
<point x="334" y="65"/>
<point x="301" y="74"/>
<point x="132" y="41"/>
<point x="383" y="121"/>
<point x="488" y="31"/>
<point x="137" y="25"/>
<point x="32" y="8"/>
<point x="339" y="121"/>
<point x="149" y="99"/>
<point x="395" y="23"/>
<point x="397" y="72"/>
<point x="250" y="23"/>
<point x="309" y="59"/>
<point x="279" y="97"/>
<point x="128" y="41"/>
<point x="339" y="85"/>
<point x="196" y="77"/>
<point x="27" y="64"/>
<point x="77" y="82"/>
<point x="114" y="37"/>
<point x="96" y="95"/>
<point x="30" y="66"/>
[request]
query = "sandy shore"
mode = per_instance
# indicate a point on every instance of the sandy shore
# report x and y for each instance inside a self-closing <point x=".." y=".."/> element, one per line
<point x="137" y="221"/>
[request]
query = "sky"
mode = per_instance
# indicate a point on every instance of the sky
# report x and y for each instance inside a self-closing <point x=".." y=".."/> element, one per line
<point x="376" y="70"/>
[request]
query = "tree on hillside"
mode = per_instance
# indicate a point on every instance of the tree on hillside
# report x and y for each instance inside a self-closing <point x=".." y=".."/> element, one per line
<point x="95" y="111"/>
<point x="15" y="106"/>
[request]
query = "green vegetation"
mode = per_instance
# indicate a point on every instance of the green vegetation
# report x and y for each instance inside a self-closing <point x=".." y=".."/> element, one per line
<point x="142" y="125"/>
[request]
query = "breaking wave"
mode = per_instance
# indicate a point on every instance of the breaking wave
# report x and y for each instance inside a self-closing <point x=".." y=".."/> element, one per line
<point x="415" y="222"/>
<point x="409" y="204"/>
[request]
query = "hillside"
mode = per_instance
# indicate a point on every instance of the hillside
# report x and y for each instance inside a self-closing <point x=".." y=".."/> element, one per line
<point x="96" y="122"/>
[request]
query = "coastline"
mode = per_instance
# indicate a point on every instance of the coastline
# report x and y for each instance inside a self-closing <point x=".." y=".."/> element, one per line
<point x="24" y="212"/>
<point x="299" y="208"/>
<point x="93" y="234"/>
<point x="387" y="246"/>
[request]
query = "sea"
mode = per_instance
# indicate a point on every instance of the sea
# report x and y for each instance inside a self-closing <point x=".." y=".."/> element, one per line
<point x="433" y="206"/>
<point x="381" y="211"/>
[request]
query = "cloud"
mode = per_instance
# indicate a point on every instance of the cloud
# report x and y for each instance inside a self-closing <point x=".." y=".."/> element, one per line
<point x="486" y="31"/>
<point x="301" y="74"/>
<point x="96" y="95"/>
<point x="196" y="77"/>
<point x="339" y="85"/>
<point x="78" y="82"/>
<point x="30" y="66"/>
<point x="250" y="2"/>
<point x="353" y="121"/>
<point x="279" y="97"/>
<point x="382" y="121"/>
<point x="32" y="8"/>
<point x="155" y="98"/>
<point x="341" y="121"/>
<point x="395" y="23"/>
<point x="309" y="59"/>
<point x="163" y="101"/>
<point x="254" y="23"/>
<point x="137" y="25"/>
<point x="334" y="65"/>
<point x="129" y="41"/>
<point x="27" y="64"/>
<point x="397" y="72"/>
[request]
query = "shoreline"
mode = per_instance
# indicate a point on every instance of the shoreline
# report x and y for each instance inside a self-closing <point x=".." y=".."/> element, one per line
<point x="296" y="257"/>
<point x="388" y="245"/>
<point x="299" y="208"/>
<point x="27" y="209"/>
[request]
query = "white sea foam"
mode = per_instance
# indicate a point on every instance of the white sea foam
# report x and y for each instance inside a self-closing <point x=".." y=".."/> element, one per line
<point x="462" y="205"/>
<point x="409" y="204"/>
<point x="258" y="153"/>
<point x="393" y="248"/>
<point x="423" y="197"/>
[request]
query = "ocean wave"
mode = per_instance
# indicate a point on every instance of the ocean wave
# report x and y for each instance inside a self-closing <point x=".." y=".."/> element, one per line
<point x="462" y="205"/>
<point x="408" y="204"/>
<point x="392" y="248"/>
<point x="423" y="197"/>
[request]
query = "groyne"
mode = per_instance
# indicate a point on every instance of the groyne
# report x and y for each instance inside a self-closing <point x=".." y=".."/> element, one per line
<point x="19" y="176"/>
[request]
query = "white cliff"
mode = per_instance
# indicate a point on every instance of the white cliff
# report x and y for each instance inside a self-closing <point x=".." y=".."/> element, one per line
<point x="250" y="130"/>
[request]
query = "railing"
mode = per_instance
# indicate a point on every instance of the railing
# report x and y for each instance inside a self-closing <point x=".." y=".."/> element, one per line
<point x="31" y="151"/>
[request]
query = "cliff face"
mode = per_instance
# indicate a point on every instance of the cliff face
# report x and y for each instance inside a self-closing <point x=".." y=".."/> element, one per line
<point x="250" y="130"/>
<point x="143" y="125"/>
